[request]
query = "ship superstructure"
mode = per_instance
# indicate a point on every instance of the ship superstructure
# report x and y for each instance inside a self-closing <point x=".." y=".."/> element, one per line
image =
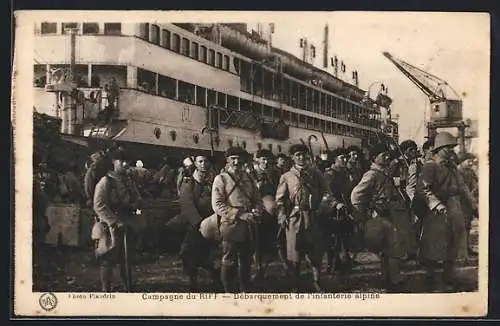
<point x="193" y="86"/>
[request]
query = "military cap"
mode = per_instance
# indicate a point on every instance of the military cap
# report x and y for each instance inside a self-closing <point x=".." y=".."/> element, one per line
<point x="443" y="139"/>
<point x="264" y="153"/>
<point x="379" y="148"/>
<point x="231" y="151"/>
<point x="282" y="155"/>
<point x="428" y="145"/>
<point x="298" y="148"/>
<point x="337" y="152"/>
<point x="407" y="144"/>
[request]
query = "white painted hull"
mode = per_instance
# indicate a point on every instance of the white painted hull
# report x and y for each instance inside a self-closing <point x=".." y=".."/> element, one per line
<point x="145" y="114"/>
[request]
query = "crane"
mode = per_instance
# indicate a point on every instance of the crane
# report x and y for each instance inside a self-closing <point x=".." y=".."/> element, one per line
<point x="446" y="104"/>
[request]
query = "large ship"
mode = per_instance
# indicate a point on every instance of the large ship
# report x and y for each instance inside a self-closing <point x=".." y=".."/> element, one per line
<point x="179" y="88"/>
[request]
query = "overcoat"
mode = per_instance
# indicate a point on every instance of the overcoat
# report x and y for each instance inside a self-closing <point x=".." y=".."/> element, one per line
<point x="233" y="196"/>
<point x="298" y="197"/>
<point x="444" y="238"/>
<point x="387" y="219"/>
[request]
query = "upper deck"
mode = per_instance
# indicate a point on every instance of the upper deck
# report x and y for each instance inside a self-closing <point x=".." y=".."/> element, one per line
<point x="170" y="59"/>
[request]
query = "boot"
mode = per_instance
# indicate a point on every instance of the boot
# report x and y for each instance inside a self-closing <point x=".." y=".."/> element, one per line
<point x="106" y="274"/>
<point x="215" y="277"/>
<point x="283" y="259"/>
<point x="295" y="271"/>
<point x="392" y="275"/>
<point x="316" y="275"/>
<point x="225" y="277"/>
<point x="244" y="267"/>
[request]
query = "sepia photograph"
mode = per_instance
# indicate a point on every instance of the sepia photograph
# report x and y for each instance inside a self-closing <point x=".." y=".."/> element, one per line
<point x="251" y="163"/>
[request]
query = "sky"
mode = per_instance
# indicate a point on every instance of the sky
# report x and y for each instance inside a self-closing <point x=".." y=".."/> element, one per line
<point x="452" y="46"/>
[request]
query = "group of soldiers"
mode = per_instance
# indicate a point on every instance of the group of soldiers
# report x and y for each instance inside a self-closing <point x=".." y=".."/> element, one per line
<point x="401" y="206"/>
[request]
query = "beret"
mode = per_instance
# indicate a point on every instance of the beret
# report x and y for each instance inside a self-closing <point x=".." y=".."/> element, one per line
<point x="235" y="151"/>
<point x="379" y="148"/>
<point x="298" y="148"/>
<point x="264" y="153"/>
<point x="337" y="152"/>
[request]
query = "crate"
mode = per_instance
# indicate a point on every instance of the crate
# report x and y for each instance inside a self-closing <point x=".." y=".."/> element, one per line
<point x="70" y="225"/>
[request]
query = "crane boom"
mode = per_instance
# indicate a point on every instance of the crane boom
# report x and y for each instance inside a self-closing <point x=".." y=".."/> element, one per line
<point x="446" y="104"/>
<point x="432" y="86"/>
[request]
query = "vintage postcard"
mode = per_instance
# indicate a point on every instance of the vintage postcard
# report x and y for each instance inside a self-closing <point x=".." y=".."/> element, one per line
<point x="256" y="164"/>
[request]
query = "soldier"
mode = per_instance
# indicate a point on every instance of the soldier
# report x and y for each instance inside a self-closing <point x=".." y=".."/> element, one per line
<point x="298" y="198"/>
<point x="466" y="169"/>
<point x="384" y="217"/>
<point x="426" y="151"/>
<point x="236" y="200"/>
<point x="354" y="164"/>
<point x="97" y="168"/>
<point x="267" y="179"/>
<point x="282" y="163"/>
<point x="410" y="173"/>
<point x="186" y="169"/>
<point x="444" y="238"/>
<point x="338" y="226"/>
<point x="195" y="201"/>
<point x="114" y="204"/>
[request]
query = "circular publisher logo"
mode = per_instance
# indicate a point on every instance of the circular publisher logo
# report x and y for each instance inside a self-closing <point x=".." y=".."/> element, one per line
<point x="48" y="301"/>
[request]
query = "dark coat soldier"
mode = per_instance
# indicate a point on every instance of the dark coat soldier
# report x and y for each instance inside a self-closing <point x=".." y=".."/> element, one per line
<point x="96" y="169"/>
<point x="444" y="237"/>
<point x="282" y="163"/>
<point x="114" y="204"/>
<point x="410" y="173"/>
<point x="267" y="178"/>
<point x="338" y="227"/>
<point x="195" y="196"/>
<point x="237" y="201"/>
<point x="466" y="169"/>
<point x="384" y="215"/>
<point x="298" y="197"/>
<point x="354" y="164"/>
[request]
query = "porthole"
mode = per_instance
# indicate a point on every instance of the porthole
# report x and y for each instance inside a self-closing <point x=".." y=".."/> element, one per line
<point x="157" y="132"/>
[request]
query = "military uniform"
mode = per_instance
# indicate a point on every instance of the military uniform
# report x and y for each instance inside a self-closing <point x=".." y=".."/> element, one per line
<point x="471" y="181"/>
<point x="355" y="172"/>
<point x="298" y="197"/>
<point x="387" y="228"/>
<point x="267" y="183"/>
<point x="114" y="204"/>
<point x="409" y="179"/>
<point x="195" y="201"/>
<point x="444" y="238"/>
<point x="338" y="228"/>
<point x="234" y="197"/>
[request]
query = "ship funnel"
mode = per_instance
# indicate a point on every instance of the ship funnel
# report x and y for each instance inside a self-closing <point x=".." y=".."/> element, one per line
<point x="325" y="48"/>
